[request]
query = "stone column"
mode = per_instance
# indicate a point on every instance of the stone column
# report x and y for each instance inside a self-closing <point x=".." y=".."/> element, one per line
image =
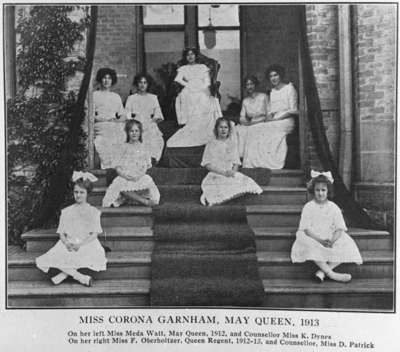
<point x="375" y="88"/>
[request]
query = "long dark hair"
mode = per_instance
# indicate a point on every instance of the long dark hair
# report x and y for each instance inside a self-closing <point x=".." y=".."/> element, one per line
<point x="106" y="71"/>
<point x="146" y="76"/>
<point x="275" y="68"/>
<point x="251" y="78"/>
<point x="185" y="51"/>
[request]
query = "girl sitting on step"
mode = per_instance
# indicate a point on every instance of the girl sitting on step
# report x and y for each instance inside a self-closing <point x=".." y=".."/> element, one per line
<point x="321" y="236"/>
<point x="221" y="158"/>
<point x="78" y="246"/>
<point x="132" y="183"/>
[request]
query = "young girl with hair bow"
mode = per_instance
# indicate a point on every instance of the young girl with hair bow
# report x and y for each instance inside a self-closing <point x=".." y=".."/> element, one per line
<point x="321" y="236"/>
<point x="78" y="246"/>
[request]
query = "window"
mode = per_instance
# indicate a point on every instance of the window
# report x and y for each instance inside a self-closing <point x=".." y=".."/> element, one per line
<point x="219" y="38"/>
<point x="163" y="14"/>
<point x="220" y="15"/>
<point x="163" y="38"/>
<point x="215" y="29"/>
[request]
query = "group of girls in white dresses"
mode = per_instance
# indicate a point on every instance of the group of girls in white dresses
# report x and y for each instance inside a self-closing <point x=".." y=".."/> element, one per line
<point x="110" y="117"/>
<point x="127" y="139"/>
<point x="265" y="121"/>
<point x="321" y="236"/>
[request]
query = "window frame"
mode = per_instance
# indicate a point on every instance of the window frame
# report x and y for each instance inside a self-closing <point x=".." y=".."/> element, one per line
<point x="241" y="41"/>
<point x="190" y="29"/>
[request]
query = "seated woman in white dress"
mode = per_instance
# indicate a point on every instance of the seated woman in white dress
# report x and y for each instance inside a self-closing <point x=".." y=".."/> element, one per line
<point x="221" y="159"/>
<point x="132" y="183"/>
<point x="196" y="108"/>
<point x="144" y="107"/>
<point x="267" y="146"/>
<point x="78" y="246"/>
<point x="254" y="111"/>
<point x="322" y="236"/>
<point x="109" y="117"/>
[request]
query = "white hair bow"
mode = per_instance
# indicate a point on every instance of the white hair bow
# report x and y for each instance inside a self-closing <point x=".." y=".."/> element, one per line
<point x="84" y="175"/>
<point x="327" y="174"/>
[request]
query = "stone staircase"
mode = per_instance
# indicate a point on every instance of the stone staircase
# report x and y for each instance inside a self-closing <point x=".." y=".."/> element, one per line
<point x="273" y="216"/>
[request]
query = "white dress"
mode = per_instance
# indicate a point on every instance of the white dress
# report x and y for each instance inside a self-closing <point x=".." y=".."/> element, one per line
<point x="323" y="220"/>
<point x="217" y="188"/>
<point x="134" y="161"/>
<point x="76" y="221"/>
<point x="147" y="110"/>
<point x="195" y="107"/>
<point x="254" y="108"/>
<point x="266" y="145"/>
<point x="109" y="131"/>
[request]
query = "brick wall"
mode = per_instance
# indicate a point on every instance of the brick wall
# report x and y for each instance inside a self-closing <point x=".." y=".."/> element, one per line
<point x="375" y="67"/>
<point x="116" y="44"/>
<point x="322" y="34"/>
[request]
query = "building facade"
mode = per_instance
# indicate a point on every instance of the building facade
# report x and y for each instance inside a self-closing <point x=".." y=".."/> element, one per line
<point x="353" y="53"/>
<point x="266" y="34"/>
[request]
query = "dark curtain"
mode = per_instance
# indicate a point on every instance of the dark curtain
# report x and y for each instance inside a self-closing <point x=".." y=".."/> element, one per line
<point x="352" y="210"/>
<point x="58" y="184"/>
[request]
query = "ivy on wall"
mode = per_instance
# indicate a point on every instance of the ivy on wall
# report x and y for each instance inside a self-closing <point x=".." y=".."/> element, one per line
<point x="40" y="117"/>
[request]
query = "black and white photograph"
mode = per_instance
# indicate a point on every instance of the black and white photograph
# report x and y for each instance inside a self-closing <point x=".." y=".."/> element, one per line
<point x="201" y="156"/>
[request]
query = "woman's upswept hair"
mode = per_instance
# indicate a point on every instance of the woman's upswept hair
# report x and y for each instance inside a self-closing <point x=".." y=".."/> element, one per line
<point x="218" y="122"/>
<point x="106" y="71"/>
<point x="185" y="51"/>
<point x="144" y="75"/>
<point x="320" y="179"/>
<point x="84" y="183"/>
<point x="251" y="78"/>
<point x="275" y="68"/>
<point x="128" y="126"/>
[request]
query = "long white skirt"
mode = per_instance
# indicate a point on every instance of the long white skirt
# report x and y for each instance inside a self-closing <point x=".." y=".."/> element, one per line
<point x="120" y="184"/>
<point x="108" y="139"/>
<point x="344" y="250"/>
<point x="153" y="140"/>
<point x="264" y="144"/>
<point x="90" y="256"/>
<point x="218" y="188"/>
<point x="198" y="111"/>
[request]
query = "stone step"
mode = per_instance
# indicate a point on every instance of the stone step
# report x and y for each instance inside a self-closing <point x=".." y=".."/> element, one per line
<point x="282" y="238"/>
<point x="276" y="265"/>
<point x="137" y="265"/>
<point x="259" y="215"/>
<point x="174" y="176"/>
<point x="118" y="238"/>
<point x="273" y="215"/>
<point x="132" y="238"/>
<point x="139" y="216"/>
<point x="359" y="294"/>
<point x="120" y="265"/>
<point x="103" y="293"/>
<point x="182" y="193"/>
